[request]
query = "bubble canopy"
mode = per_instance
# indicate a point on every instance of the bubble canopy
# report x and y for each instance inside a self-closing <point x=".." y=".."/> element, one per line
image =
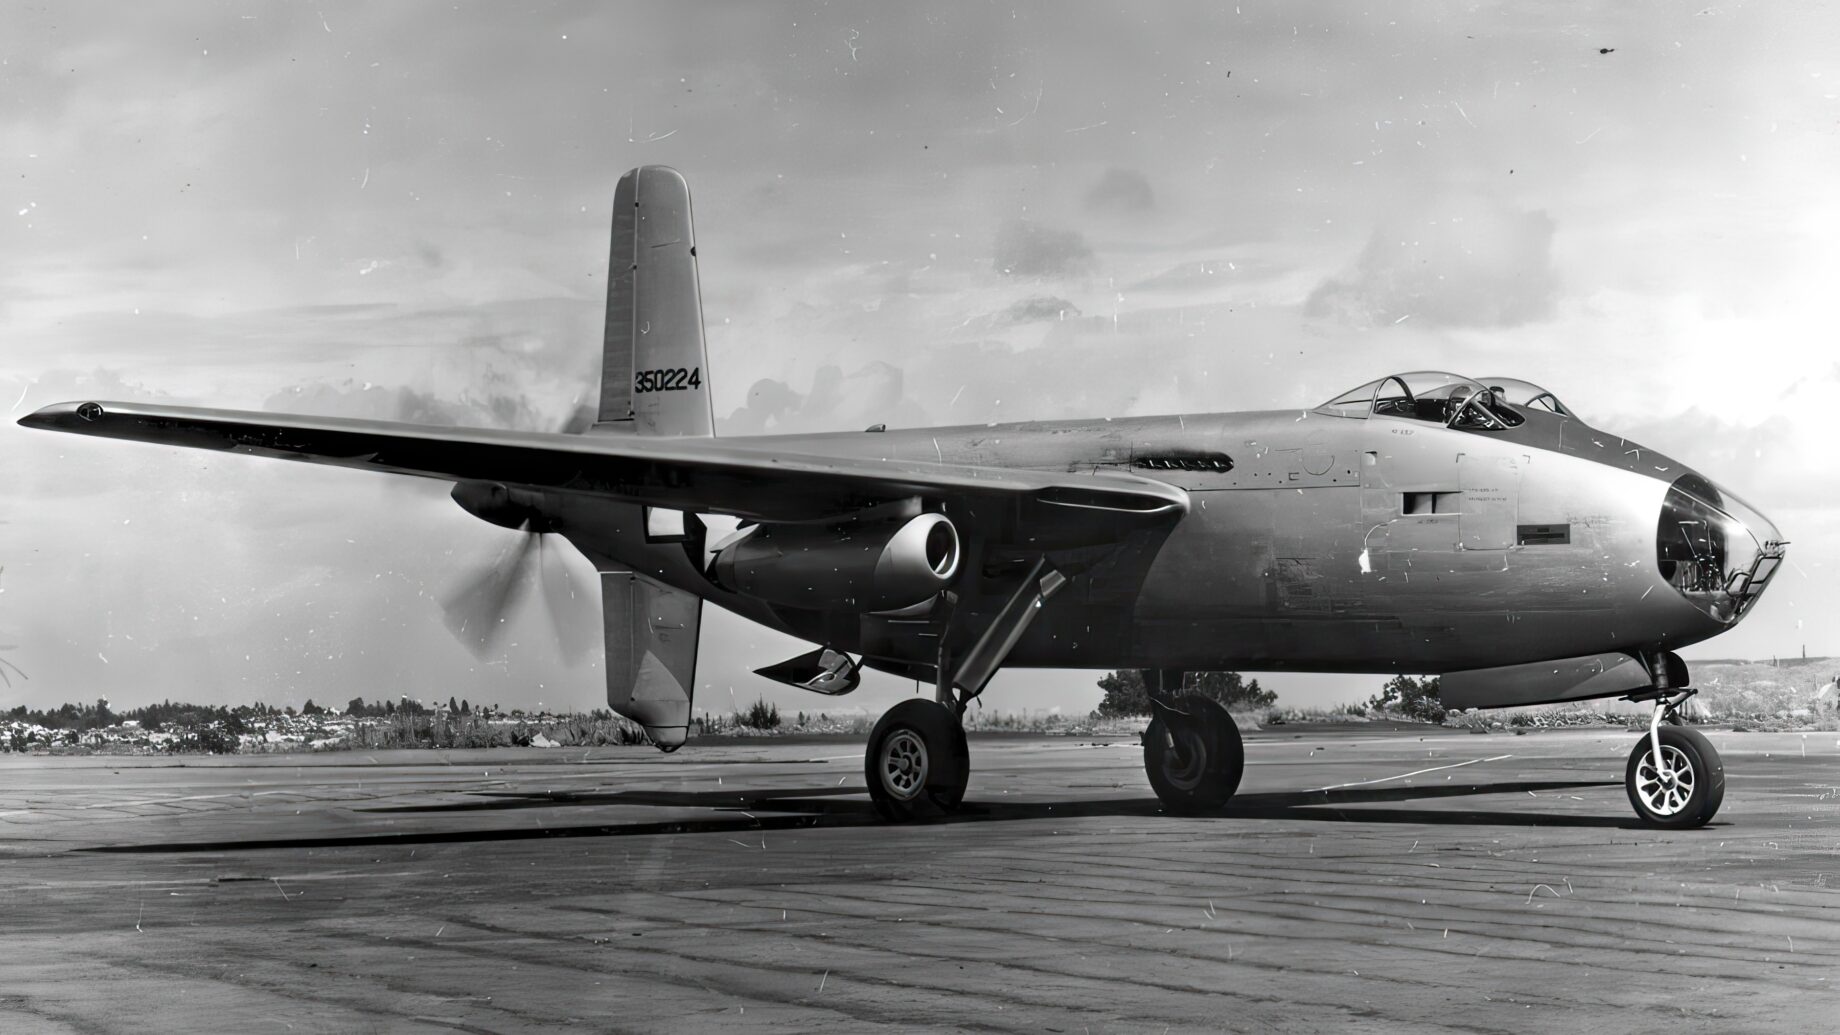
<point x="1515" y="392"/>
<point x="1436" y="395"/>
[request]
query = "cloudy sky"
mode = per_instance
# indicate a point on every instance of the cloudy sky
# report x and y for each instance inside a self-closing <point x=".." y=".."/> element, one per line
<point x="913" y="214"/>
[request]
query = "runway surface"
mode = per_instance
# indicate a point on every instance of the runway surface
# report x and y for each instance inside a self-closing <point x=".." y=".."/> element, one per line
<point x="1447" y="882"/>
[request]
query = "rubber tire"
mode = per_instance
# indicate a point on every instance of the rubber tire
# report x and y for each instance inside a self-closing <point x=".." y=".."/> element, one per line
<point x="947" y="758"/>
<point x="1708" y="784"/>
<point x="1201" y="778"/>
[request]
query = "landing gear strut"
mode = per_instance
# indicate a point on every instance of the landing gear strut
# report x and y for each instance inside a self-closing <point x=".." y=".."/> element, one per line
<point x="1192" y="752"/>
<point x="917" y="764"/>
<point x="1675" y="778"/>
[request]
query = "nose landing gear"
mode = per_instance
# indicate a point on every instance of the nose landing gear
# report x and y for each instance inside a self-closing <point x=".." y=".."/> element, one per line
<point x="1675" y="777"/>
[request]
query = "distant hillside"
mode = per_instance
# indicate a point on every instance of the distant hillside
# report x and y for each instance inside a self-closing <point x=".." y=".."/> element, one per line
<point x="1820" y="662"/>
<point x="1759" y="687"/>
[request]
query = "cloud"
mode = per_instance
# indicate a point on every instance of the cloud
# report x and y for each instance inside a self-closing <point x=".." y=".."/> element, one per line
<point x="1466" y="264"/>
<point x="870" y="395"/>
<point x="494" y="408"/>
<point x="1026" y="249"/>
<point x="1202" y="277"/>
<point x="1121" y="190"/>
<point x="767" y="400"/>
<point x="1780" y="460"/>
<point x="1035" y="309"/>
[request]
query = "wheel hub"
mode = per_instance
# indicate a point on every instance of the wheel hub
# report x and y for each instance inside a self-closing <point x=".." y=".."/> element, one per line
<point x="1186" y="762"/>
<point x="1665" y="794"/>
<point x="903" y="764"/>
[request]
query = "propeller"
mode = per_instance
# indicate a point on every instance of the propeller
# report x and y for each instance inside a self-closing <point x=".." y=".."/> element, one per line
<point x="477" y="609"/>
<point x="488" y="599"/>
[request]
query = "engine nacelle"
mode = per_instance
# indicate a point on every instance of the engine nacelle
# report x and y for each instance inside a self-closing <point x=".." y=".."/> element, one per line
<point x="516" y="509"/>
<point x="882" y="566"/>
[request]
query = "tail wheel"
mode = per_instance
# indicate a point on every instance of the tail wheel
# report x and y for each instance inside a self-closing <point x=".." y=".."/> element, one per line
<point x="1193" y="755"/>
<point x="1689" y="793"/>
<point x="917" y="764"/>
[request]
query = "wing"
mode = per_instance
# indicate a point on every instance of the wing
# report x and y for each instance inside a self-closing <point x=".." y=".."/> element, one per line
<point x="700" y="474"/>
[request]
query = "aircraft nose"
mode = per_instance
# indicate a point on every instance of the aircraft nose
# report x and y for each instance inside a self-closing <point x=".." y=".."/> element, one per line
<point x="1714" y="549"/>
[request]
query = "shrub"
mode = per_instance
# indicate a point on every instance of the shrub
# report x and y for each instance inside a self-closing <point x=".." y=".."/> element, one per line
<point x="1417" y="699"/>
<point x="1127" y="691"/>
<point x="760" y="715"/>
<point x="213" y="739"/>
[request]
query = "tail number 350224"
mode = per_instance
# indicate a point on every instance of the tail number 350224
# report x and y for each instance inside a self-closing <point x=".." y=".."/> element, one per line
<point x="675" y="379"/>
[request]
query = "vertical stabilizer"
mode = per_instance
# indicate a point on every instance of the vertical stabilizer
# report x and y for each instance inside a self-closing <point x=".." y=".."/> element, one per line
<point x="654" y="367"/>
<point x="654" y="381"/>
<point x="651" y="653"/>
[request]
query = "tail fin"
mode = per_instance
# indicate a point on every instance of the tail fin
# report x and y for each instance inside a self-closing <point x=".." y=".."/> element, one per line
<point x="651" y="653"/>
<point x="654" y="381"/>
<point x="654" y="367"/>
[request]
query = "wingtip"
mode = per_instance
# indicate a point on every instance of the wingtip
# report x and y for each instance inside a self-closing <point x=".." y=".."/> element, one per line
<point x="63" y="416"/>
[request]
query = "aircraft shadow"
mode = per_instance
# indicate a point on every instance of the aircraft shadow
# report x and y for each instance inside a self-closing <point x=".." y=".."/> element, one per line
<point x="805" y="808"/>
<point x="738" y="799"/>
<point x="1331" y="806"/>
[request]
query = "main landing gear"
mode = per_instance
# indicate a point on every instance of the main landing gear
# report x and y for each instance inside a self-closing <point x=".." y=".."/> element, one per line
<point x="1192" y="751"/>
<point x="1674" y="777"/>
<point x="1193" y="754"/>
<point x="917" y="764"/>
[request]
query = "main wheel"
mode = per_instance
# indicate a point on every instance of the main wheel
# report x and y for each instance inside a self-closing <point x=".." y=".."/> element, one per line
<point x="1193" y="755"/>
<point x="917" y="763"/>
<point x="1692" y="791"/>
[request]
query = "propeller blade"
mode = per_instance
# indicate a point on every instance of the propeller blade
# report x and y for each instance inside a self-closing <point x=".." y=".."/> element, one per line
<point x="581" y="417"/>
<point x="570" y="607"/>
<point x="478" y="610"/>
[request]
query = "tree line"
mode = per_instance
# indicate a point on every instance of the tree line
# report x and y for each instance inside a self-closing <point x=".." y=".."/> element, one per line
<point x="234" y="719"/>
<point x="1127" y="692"/>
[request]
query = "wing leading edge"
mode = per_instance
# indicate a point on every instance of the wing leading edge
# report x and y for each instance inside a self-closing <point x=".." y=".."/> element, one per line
<point x="723" y="475"/>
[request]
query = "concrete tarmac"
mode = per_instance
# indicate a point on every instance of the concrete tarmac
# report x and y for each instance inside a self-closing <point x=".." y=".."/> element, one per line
<point x="1366" y="880"/>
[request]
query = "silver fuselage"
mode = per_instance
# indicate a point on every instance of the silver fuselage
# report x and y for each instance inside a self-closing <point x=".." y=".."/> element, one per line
<point x="1322" y="542"/>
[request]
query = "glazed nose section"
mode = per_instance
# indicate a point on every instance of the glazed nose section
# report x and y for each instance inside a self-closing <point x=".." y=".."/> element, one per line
<point x="1714" y="549"/>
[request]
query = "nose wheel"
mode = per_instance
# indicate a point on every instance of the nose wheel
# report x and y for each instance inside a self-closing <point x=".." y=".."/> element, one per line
<point x="1675" y="777"/>
<point x="1193" y="755"/>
